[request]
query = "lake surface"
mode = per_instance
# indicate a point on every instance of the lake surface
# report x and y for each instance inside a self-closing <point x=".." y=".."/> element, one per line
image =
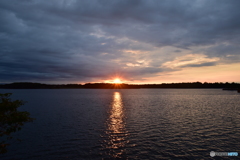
<point x="126" y="124"/>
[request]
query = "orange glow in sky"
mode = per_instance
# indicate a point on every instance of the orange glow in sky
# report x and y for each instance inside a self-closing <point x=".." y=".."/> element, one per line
<point x="117" y="80"/>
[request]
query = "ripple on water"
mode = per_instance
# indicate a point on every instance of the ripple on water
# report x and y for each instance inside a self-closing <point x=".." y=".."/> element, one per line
<point x="128" y="124"/>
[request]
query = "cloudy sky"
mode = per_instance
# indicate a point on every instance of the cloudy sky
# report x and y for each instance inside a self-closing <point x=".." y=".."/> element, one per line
<point x="139" y="41"/>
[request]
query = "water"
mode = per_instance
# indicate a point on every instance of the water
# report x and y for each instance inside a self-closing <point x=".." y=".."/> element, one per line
<point x="127" y="124"/>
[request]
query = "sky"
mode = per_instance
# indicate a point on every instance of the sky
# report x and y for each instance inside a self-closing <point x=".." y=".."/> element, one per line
<point x="137" y="41"/>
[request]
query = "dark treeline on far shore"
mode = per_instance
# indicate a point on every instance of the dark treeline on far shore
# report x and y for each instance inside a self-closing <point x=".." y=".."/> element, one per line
<point x="30" y="85"/>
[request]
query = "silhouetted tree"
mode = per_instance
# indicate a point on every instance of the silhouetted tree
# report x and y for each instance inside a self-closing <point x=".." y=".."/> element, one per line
<point x="11" y="119"/>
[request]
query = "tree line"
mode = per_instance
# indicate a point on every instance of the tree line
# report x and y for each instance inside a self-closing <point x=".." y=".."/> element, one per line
<point x="30" y="85"/>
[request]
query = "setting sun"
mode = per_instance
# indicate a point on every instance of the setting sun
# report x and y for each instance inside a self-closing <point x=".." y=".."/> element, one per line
<point x="117" y="80"/>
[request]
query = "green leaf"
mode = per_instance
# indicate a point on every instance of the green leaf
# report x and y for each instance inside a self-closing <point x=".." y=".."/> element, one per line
<point x="11" y="119"/>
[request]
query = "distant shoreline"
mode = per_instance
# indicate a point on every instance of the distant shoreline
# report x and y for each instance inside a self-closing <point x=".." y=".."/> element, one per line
<point x="193" y="85"/>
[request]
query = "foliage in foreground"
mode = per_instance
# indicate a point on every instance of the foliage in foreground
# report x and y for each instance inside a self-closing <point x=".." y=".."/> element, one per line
<point x="11" y="119"/>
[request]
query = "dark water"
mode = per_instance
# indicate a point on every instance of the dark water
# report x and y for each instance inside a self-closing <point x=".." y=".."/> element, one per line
<point x="127" y="124"/>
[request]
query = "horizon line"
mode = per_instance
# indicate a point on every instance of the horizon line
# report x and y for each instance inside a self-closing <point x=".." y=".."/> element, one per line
<point x="2" y="83"/>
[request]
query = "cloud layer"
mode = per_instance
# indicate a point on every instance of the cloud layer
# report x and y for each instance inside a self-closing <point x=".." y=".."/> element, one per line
<point x="62" y="41"/>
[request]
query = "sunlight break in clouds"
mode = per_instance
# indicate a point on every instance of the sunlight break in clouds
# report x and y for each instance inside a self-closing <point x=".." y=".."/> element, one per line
<point x="191" y="60"/>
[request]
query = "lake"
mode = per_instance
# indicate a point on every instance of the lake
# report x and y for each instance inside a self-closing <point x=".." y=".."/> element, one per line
<point x="126" y="124"/>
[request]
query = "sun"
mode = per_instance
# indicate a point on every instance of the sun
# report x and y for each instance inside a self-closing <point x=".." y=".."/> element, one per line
<point x="117" y="80"/>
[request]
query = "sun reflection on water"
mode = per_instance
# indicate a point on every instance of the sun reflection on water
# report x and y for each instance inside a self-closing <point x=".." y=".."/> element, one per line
<point x="116" y="130"/>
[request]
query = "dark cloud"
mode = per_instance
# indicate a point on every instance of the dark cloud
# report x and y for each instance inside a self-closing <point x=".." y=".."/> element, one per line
<point x="88" y="40"/>
<point x="223" y="50"/>
<point x="200" y="65"/>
